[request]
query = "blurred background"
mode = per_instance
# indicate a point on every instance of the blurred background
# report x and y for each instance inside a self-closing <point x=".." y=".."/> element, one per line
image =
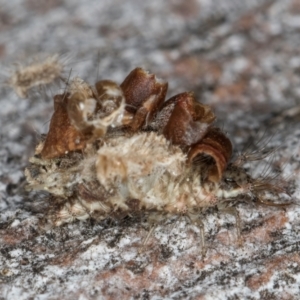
<point x="240" y="57"/>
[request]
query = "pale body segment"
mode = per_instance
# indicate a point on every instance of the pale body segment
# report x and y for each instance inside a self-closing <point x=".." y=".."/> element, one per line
<point x="130" y="171"/>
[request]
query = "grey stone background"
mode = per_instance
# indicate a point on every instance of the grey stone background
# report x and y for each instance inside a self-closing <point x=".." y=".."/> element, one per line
<point x="242" y="58"/>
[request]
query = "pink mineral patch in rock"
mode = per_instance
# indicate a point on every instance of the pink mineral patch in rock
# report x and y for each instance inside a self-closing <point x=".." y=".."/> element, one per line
<point x="271" y="267"/>
<point x="272" y="224"/>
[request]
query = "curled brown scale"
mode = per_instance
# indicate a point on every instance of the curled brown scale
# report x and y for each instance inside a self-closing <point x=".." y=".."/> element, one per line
<point x="216" y="145"/>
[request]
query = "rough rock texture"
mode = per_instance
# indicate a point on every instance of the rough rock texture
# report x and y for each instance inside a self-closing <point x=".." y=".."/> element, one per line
<point x="241" y="57"/>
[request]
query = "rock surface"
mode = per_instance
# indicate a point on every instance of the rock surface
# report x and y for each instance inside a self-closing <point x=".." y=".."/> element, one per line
<point x="242" y="58"/>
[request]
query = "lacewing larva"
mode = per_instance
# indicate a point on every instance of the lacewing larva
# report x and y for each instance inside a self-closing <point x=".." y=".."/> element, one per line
<point x="117" y="150"/>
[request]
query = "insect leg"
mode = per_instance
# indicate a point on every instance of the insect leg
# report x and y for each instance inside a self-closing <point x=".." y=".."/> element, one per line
<point x="195" y="220"/>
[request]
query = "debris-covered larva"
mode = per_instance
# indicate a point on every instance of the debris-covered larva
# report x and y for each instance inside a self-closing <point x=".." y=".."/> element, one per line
<point x="38" y="73"/>
<point x="117" y="150"/>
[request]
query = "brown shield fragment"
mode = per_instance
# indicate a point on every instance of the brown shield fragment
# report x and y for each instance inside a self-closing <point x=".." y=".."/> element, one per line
<point x="188" y="121"/>
<point x="62" y="136"/>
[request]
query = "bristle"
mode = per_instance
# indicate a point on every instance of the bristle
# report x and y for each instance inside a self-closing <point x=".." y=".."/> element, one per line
<point x="256" y="150"/>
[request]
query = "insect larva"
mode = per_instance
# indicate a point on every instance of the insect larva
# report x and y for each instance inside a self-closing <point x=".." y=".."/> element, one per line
<point x="116" y="150"/>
